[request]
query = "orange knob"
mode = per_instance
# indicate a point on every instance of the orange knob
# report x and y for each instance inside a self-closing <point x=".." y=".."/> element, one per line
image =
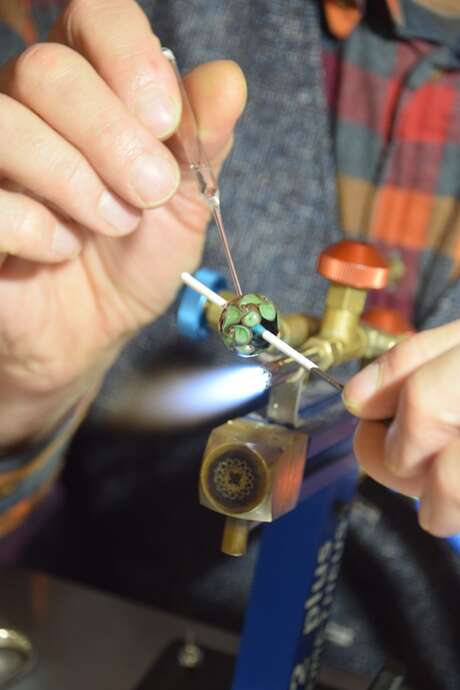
<point x="355" y="264"/>
<point x="388" y="320"/>
<point x="342" y="16"/>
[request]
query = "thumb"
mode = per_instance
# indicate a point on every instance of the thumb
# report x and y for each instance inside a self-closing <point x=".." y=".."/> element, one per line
<point x="374" y="392"/>
<point x="217" y="93"/>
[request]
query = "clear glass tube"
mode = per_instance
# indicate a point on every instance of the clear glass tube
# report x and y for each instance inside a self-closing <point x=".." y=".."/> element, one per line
<point x="190" y="151"/>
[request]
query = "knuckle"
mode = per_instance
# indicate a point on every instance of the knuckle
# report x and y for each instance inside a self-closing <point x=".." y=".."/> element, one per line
<point x="402" y="358"/>
<point x="71" y="17"/>
<point x="51" y="62"/>
<point x="141" y="52"/>
<point x="24" y="231"/>
<point x="392" y="458"/>
<point x="38" y="59"/>
<point x="106" y="125"/>
<point x="81" y="14"/>
<point x="72" y="170"/>
<point x="32" y="225"/>
<point x="115" y="136"/>
<point x="399" y="467"/>
<point x="132" y="61"/>
<point x="395" y="361"/>
<point x="77" y="8"/>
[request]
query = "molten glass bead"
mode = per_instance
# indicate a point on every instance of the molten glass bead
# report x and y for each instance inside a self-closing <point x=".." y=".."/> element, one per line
<point x="239" y="322"/>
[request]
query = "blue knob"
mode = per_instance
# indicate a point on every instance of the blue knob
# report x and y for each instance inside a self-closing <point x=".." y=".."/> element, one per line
<point x="191" y="315"/>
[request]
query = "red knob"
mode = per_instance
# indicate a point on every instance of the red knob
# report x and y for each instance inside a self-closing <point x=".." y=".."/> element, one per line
<point x="356" y="264"/>
<point x="388" y="320"/>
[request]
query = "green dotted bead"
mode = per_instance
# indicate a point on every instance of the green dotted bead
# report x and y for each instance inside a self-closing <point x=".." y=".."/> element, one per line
<point x="241" y="316"/>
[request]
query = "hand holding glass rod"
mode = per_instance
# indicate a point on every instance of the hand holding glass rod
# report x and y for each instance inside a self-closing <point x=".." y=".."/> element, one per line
<point x="192" y="152"/>
<point x="269" y="337"/>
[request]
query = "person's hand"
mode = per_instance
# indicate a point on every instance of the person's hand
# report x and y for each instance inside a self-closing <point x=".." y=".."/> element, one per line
<point x="96" y="225"/>
<point x="418" y="385"/>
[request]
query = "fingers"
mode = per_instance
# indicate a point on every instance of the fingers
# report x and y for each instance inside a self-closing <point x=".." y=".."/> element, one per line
<point x="428" y="415"/>
<point x="92" y="114"/>
<point x="217" y="92"/>
<point x="64" y="90"/>
<point x="44" y="163"/>
<point x="427" y="419"/>
<point x="438" y="485"/>
<point x="31" y="231"/>
<point x="116" y="37"/>
<point x="419" y="454"/>
<point x="374" y="392"/>
<point x="440" y="503"/>
<point x="369" y="447"/>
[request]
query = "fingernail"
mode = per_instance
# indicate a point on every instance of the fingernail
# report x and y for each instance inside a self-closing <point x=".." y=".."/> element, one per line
<point x="154" y="178"/>
<point x="362" y="386"/>
<point x="157" y="111"/>
<point x="65" y="244"/>
<point x="117" y="214"/>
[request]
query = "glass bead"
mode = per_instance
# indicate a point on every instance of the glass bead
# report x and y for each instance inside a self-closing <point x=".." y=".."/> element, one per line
<point x="241" y="320"/>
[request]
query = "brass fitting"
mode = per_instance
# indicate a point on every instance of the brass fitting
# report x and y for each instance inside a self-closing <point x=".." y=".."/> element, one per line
<point x="295" y="329"/>
<point x="344" y="306"/>
<point x="235" y="539"/>
<point x="251" y="472"/>
<point x="340" y="337"/>
<point x="352" y="269"/>
<point x="379" y="342"/>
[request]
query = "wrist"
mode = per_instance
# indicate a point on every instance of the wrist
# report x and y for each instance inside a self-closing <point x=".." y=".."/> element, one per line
<point x="27" y="419"/>
<point x="29" y="412"/>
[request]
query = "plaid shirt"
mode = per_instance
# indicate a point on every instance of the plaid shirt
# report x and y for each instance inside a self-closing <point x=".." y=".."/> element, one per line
<point x="393" y="86"/>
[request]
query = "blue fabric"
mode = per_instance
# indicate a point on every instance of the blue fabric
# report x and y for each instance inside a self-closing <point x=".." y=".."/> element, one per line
<point x="10" y="43"/>
<point x="419" y="22"/>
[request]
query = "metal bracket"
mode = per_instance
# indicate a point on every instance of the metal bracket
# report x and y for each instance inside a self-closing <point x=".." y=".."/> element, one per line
<point x="284" y="401"/>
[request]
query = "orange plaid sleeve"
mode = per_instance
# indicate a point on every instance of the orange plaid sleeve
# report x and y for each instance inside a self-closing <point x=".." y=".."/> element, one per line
<point x="27" y="475"/>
